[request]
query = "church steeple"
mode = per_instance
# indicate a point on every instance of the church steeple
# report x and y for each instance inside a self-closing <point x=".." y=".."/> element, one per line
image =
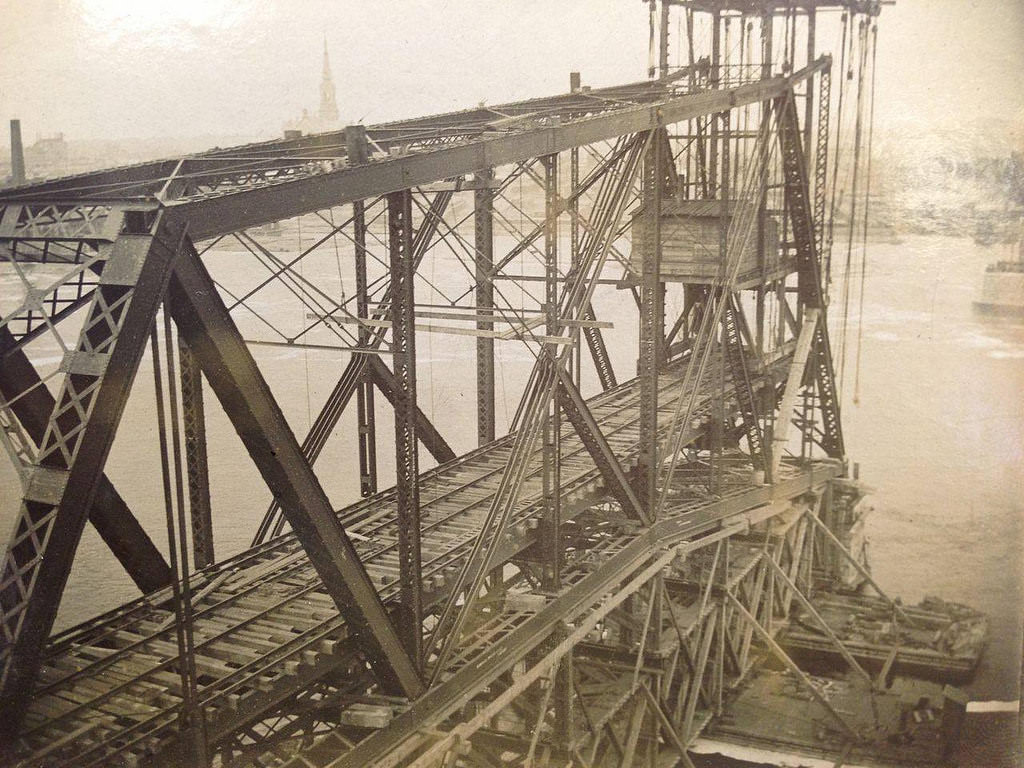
<point x="328" y="112"/>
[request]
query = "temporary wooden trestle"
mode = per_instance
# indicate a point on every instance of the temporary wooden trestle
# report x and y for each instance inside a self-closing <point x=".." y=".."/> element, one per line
<point x="585" y="589"/>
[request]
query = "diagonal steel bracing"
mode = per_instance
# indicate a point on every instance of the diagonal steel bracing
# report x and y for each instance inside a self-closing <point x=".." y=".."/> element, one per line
<point x="353" y="377"/>
<point x="426" y="432"/>
<point x="799" y="202"/>
<point x="204" y="322"/>
<point x="63" y="484"/>
<point x="600" y="451"/>
<point x="32" y="404"/>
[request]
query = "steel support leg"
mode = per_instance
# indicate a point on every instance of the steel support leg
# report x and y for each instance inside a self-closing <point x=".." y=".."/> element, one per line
<point x="194" y="421"/>
<point x="403" y="338"/>
<point x="365" y="415"/>
<point x="652" y="322"/>
<point x="63" y="482"/>
<point x="483" y="222"/>
<point x="553" y="427"/>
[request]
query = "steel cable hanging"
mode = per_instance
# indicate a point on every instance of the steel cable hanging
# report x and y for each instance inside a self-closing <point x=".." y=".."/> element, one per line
<point x="867" y="203"/>
<point x="857" y="142"/>
<point x="839" y="147"/>
<point x="740" y="229"/>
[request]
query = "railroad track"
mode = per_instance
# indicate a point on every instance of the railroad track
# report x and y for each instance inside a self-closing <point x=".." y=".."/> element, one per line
<point x="109" y="691"/>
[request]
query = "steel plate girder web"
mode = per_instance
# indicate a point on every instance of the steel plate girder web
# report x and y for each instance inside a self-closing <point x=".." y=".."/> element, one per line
<point x="109" y="515"/>
<point x="79" y="434"/>
<point x="233" y="375"/>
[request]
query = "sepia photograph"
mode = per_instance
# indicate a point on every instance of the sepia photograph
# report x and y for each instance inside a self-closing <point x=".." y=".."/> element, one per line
<point x="577" y="384"/>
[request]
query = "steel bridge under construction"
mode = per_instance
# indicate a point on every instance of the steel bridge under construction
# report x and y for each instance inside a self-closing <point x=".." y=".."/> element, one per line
<point x="589" y="588"/>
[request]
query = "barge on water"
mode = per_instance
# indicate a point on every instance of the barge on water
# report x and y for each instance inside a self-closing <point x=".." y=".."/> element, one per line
<point x="853" y="677"/>
<point x="1002" y="289"/>
<point x="935" y="640"/>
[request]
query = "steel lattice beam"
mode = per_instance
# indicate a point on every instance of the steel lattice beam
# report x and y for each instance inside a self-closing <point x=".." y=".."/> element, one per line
<point x="110" y="515"/>
<point x="62" y="486"/>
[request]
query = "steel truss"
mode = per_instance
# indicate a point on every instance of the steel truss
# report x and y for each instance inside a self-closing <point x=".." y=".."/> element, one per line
<point x="531" y="597"/>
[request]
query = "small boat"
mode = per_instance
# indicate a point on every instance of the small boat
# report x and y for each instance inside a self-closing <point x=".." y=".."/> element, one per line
<point x="1002" y="289"/>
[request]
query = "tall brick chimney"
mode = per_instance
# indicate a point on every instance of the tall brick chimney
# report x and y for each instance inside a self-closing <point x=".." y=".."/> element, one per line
<point x="17" y="154"/>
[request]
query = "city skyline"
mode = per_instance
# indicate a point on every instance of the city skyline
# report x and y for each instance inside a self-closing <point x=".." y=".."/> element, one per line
<point x="236" y="67"/>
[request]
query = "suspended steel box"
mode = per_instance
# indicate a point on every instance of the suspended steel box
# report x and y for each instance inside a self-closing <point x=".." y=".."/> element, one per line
<point x="691" y="241"/>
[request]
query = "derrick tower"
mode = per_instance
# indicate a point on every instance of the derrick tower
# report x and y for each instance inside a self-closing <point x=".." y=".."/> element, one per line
<point x="589" y="574"/>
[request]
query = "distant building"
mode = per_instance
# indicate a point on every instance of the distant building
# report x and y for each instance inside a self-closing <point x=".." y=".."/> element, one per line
<point x="47" y="158"/>
<point x="326" y="117"/>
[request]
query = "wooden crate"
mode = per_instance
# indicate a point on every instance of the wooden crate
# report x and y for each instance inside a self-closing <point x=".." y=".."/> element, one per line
<point x="690" y="234"/>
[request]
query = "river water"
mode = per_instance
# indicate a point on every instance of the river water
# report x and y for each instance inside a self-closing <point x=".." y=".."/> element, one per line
<point x="937" y="429"/>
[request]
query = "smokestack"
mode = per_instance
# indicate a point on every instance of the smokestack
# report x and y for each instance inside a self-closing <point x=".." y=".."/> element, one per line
<point x="17" y="154"/>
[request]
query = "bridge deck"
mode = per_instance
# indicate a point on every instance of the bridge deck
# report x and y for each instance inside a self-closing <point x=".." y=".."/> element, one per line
<point x="264" y="627"/>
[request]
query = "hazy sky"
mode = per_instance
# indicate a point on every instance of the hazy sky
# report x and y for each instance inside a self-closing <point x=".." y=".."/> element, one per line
<point x="142" y="68"/>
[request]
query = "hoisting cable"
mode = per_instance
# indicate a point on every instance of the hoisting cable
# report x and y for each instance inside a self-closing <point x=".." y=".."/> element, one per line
<point x="867" y="203"/>
<point x="337" y="254"/>
<point x="857" y="140"/>
<point x="305" y="351"/>
<point x="652" y="6"/>
<point x="180" y="585"/>
<point x="839" y="150"/>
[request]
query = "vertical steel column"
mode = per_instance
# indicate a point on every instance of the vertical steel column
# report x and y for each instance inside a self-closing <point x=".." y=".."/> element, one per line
<point x="403" y="337"/>
<point x="365" y="413"/>
<point x="553" y="426"/>
<point x="716" y="76"/>
<point x="358" y="151"/>
<point x="652" y="318"/>
<point x="809" y="85"/>
<point x="483" y="243"/>
<point x="717" y="464"/>
<point x="663" y="40"/>
<point x="193" y="418"/>
<point x="575" y="367"/>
